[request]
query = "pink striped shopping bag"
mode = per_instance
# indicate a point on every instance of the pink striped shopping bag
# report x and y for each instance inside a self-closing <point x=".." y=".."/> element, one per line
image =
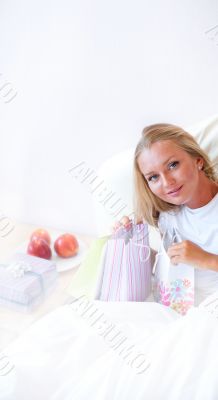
<point x="126" y="265"/>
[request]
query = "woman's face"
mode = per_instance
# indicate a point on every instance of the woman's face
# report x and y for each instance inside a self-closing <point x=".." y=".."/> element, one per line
<point x="171" y="173"/>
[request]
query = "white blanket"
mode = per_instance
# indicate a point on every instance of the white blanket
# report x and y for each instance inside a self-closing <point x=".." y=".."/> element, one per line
<point x="90" y="351"/>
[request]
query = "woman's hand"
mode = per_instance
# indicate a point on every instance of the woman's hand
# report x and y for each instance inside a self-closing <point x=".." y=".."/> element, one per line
<point x="189" y="253"/>
<point x="124" y="221"/>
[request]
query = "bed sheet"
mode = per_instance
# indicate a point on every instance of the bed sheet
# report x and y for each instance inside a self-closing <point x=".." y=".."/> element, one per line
<point x="70" y="354"/>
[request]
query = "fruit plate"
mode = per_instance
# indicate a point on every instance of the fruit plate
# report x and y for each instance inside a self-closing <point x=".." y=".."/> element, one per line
<point x="62" y="264"/>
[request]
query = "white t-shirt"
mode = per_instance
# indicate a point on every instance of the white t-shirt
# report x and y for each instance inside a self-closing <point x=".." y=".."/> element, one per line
<point x="200" y="226"/>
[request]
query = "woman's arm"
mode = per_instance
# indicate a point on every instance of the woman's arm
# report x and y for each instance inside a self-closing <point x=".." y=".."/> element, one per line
<point x="189" y="253"/>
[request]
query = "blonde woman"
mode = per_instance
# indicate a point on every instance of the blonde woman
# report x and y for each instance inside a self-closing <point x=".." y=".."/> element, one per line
<point x="176" y="190"/>
<point x="138" y="350"/>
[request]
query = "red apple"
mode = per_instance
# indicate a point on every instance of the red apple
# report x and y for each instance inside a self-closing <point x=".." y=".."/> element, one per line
<point x="41" y="234"/>
<point x="39" y="248"/>
<point x="66" y="245"/>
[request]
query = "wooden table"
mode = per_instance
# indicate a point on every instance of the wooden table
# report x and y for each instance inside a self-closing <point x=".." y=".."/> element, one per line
<point x="13" y="323"/>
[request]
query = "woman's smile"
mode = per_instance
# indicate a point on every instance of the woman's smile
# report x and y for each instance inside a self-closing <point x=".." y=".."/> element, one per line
<point x="175" y="192"/>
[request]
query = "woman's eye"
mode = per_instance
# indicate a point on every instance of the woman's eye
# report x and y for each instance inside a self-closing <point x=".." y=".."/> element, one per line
<point x="152" y="178"/>
<point x="173" y="164"/>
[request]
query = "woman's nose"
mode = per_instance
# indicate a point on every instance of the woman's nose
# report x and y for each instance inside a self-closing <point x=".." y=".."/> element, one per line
<point x="168" y="180"/>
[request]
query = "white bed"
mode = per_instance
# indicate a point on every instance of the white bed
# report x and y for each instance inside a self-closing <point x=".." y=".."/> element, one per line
<point x="68" y="354"/>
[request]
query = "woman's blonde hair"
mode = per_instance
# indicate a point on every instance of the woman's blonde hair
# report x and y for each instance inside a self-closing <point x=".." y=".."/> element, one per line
<point x="147" y="206"/>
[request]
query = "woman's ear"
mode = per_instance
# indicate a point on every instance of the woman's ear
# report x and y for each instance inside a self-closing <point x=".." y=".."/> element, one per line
<point x="200" y="163"/>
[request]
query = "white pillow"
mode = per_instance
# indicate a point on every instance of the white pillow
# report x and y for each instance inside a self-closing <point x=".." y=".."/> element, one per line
<point x="206" y="134"/>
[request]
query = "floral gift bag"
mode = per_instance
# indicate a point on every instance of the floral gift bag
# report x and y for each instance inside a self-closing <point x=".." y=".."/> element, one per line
<point x="173" y="284"/>
<point x="126" y="265"/>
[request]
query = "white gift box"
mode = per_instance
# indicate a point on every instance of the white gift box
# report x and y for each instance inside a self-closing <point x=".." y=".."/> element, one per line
<point x="26" y="281"/>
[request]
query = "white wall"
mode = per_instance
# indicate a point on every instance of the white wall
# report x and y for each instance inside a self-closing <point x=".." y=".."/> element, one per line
<point x="89" y="76"/>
